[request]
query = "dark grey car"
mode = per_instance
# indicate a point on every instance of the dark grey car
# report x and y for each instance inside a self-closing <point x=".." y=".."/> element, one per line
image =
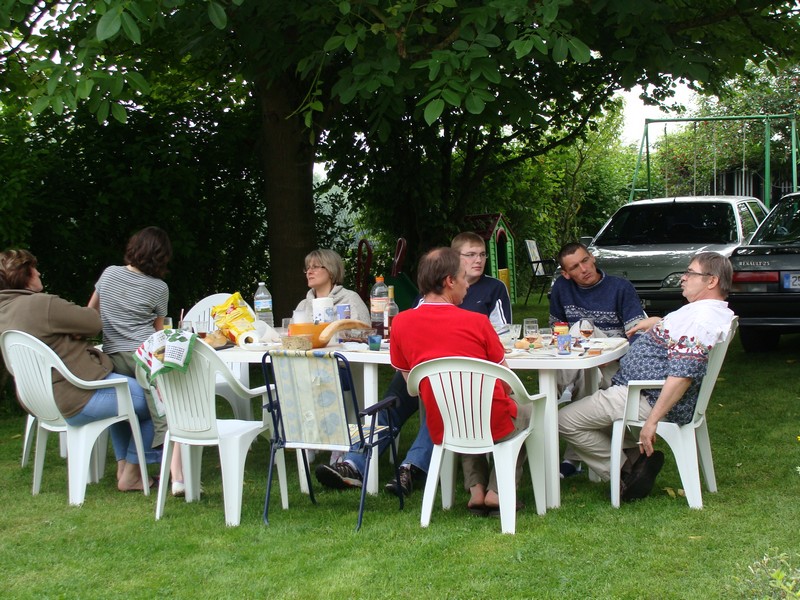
<point x="651" y="242"/>
<point x="766" y="278"/>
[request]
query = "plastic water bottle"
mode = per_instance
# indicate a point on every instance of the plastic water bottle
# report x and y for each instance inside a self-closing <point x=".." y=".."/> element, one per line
<point x="378" y="297"/>
<point x="262" y="303"/>
<point x="389" y="313"/>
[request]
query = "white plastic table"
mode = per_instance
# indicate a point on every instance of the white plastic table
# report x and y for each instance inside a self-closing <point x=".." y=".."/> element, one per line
<point x="547" y="363"/>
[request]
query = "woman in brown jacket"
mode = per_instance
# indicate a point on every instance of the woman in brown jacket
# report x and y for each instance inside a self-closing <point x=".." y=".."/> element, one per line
<point x="66" y="327"/>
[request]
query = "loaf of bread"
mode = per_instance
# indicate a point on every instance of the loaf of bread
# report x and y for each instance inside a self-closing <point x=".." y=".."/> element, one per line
<point x="340" y="325"/>
<point x="526" y="345"/>
<point x="215" y="339"/>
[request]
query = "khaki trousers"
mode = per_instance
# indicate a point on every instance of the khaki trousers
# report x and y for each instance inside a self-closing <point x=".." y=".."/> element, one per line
<point x="586" y="426"/>
<point x="476" y="466"/>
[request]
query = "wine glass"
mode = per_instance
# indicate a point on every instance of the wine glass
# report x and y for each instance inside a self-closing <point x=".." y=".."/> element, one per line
<point x="546" y="335"/>
<point x="586" y="328"/>
<point x="530" y="328"/>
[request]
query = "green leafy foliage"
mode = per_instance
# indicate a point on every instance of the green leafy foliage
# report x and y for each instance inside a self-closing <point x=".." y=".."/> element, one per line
<point x="85" y="187"/>
<point x="470" y="79"/>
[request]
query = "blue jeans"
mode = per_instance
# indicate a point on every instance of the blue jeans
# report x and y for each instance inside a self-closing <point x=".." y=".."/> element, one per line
<point x="103" y="404"/>
<point x="420" y="452"/>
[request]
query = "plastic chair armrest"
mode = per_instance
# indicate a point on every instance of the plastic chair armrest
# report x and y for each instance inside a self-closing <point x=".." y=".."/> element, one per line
<point x="529" y="398"/>
<point x="635" y="388"/>
<point x="239" y="389"/>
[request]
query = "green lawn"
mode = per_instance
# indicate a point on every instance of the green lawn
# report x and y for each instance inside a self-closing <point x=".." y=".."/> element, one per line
<point x="656" y="548"/>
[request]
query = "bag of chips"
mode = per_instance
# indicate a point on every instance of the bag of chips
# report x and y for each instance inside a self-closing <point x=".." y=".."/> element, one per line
<point x="233" y="317"/>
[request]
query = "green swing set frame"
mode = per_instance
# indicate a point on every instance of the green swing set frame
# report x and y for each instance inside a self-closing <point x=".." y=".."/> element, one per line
<point x="644" y="148"/>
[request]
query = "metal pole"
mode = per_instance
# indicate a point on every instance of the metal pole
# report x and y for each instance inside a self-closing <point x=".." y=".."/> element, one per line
<point x="767" y="176"/>
<point x="794" y="155"/>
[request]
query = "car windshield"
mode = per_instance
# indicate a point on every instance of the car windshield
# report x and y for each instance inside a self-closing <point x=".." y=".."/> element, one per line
<point x="671" y="223"/>
<point x="782" y="226"/>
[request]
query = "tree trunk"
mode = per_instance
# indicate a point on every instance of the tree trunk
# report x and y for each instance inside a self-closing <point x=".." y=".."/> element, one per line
<point x="288" y="158"/>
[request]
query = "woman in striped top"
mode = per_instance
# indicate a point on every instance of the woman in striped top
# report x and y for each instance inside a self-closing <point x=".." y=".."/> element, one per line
<point x="132" y="301"/>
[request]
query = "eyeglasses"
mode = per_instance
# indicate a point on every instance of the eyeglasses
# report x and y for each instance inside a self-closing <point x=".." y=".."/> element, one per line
<point x="473" y="255"/>
<point x="689" y="273"/>
<point x="313" y="268"/>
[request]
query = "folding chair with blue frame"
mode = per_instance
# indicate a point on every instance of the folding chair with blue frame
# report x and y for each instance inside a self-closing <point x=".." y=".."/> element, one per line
<point x="309" y="408"/>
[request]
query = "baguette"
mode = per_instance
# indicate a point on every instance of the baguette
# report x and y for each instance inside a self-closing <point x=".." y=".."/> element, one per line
<point x="328" y="333"/>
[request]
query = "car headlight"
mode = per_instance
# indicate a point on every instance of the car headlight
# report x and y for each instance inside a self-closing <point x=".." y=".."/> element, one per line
<point x="672" y="281"/>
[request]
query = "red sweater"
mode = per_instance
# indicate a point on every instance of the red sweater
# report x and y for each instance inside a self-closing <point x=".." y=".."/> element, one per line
<point x="438" y="330"/>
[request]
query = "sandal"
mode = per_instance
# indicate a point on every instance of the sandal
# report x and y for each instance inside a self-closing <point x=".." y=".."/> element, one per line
<point x="494" y="511"/>
<point x="153" y="486"/>
<point x="479" y="510"/>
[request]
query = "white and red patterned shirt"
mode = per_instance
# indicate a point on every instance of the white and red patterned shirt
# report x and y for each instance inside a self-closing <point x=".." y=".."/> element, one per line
<point x="677" y="346"/>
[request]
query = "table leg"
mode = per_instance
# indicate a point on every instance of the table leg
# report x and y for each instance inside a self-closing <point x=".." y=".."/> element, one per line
<point x="369" y="396"/>
<point x="547" y="386"/>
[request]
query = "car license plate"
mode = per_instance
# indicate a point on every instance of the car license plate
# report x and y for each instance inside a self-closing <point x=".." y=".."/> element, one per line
<point x="791" y="281"/>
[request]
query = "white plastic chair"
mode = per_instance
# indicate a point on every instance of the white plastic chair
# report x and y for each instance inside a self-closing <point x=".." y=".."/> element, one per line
<point x="463" y="389"/>
<point x="688" y="442"/>
<point x="242" y="408"/>
<point x="310" y="412"/>
<point x="31" y="362"/>
<point x="190" y="404"/>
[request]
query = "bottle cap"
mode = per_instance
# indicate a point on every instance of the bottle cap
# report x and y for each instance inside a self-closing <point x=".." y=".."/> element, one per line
<point x="379" y="278"/>
<point x="261" y="283"/>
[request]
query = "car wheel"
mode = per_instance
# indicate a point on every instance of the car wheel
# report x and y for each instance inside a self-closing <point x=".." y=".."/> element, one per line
<point x="758" y="339"/>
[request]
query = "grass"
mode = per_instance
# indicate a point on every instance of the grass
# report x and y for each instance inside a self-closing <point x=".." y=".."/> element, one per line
<point x="658" y="548"/>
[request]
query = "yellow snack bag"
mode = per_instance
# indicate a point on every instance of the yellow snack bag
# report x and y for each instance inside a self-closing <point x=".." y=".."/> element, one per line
<point x="233" y="317"/>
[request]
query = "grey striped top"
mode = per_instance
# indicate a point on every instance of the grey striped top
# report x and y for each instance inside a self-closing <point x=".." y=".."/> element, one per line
<point x="129" y="303"/>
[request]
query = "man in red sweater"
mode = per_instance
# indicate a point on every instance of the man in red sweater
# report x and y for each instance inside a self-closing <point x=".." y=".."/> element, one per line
<point x="437" y="328"/>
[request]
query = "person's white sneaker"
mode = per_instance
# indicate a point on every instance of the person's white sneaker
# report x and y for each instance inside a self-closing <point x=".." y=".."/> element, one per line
<point x="178" y="489"/>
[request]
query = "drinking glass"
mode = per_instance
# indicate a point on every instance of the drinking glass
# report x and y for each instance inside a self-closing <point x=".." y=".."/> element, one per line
<point x="185" y="326"/>
<point x="167" y="322"/>
<point x="586" y="327"/>
<point x="546" y="334"/>
<point x="515" y="330"/>
<point x="530" y="328"/>
<point x="201" y="327"/>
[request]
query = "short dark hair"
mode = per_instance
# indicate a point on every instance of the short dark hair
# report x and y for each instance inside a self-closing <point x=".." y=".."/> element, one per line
<point x="16" y="268"/>
<point x="149" y="250"/>
<point x="436" y="266"/>
<point x="567" y="249"/>
<point x="719" y="266"/>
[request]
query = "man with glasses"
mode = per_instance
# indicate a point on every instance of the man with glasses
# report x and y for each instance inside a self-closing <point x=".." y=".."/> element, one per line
<point x="674" y="348"/>
<point x="584" y="291"/>
<point x="485" y="295"/>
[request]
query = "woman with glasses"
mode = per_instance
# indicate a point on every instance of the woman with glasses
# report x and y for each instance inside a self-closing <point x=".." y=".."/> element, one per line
<point x="324" y="273"/>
